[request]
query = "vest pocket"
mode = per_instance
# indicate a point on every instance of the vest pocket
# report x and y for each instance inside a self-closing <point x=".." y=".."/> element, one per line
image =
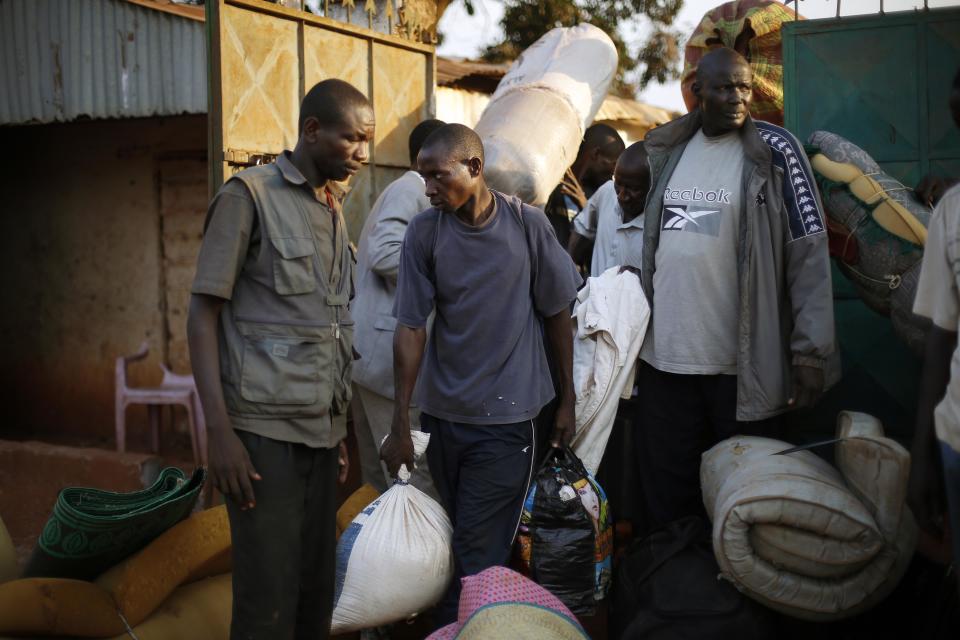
<point x="286" y="371"/>
<point x="293" y="266"/>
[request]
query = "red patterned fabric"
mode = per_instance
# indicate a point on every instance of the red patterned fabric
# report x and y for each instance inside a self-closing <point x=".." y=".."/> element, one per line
<point x="721" y="27"/>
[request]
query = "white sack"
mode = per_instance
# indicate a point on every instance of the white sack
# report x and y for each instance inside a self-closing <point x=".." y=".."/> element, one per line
<point x="576" y="62"/>
<point x="533" y="125"/>
<point x="793" y="533"/>
<point x="610" y="321"/>
<point x="395" y="558"/>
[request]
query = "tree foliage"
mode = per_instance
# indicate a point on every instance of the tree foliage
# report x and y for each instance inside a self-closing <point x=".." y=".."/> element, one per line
<point x="657" y="58"/>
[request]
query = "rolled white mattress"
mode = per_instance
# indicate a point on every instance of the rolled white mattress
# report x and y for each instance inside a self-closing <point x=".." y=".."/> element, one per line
<point x="801" y="537"/>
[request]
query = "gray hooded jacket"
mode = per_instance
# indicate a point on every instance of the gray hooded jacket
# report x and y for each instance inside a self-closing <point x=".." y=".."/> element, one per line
<point x="783" y="265"/>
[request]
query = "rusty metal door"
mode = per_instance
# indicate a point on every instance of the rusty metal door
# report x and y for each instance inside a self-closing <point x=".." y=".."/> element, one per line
<point x="264" y="57"/>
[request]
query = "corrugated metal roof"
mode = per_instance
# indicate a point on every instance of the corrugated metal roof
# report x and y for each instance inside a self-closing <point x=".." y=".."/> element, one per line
<point x="469" y="74"/>
<point x="67" y="59"/>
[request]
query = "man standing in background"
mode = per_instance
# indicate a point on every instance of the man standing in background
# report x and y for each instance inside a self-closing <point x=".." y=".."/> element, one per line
<point x="598" y="154"/>
<point x="378" y="262"/>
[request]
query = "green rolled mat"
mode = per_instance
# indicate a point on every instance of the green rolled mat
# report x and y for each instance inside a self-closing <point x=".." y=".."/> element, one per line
<point x="91" y="530"/>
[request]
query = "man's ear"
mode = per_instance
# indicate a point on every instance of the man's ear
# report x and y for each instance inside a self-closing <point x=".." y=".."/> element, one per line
<point x="311" y="129"/>
<point x="696" y="89"/>
<point x="475" y="165"/>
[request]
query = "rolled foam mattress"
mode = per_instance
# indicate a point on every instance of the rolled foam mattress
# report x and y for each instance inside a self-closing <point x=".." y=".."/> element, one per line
<point x="802" y="537"/>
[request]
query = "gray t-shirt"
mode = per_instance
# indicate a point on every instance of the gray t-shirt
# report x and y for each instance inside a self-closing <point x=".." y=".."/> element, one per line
<point x="695" y="290"/>
<point x="485" y="361"/>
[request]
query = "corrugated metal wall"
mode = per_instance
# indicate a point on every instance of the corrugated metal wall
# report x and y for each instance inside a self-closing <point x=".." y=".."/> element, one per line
<point x="65" y="59"/>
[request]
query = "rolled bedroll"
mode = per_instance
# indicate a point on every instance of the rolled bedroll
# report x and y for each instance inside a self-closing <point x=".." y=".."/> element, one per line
<point x="802" y="537"/>
<point x="877" y="229"/>
<point x="533" y="125"/>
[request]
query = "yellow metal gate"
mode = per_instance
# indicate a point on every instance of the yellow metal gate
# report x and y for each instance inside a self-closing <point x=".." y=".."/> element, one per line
<point x="264" y="57"/>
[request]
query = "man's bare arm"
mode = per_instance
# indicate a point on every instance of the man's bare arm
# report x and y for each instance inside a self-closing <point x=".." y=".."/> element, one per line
<point x="580" y="249"/>
<point x="230" y="468"/>
<point x="925" y="491"/>
<point x="408" y="346"/>
<point x="560" y="335"/>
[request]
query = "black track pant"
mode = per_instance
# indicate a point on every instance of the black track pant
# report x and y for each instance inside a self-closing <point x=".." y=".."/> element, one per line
<point x="482" y="473"/>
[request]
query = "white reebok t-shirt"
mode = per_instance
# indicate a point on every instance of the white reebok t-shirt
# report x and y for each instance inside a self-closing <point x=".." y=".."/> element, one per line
<point x="695" y="289"/>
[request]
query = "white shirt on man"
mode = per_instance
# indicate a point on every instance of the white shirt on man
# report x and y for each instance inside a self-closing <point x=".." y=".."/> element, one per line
<point x="615" y="242"/>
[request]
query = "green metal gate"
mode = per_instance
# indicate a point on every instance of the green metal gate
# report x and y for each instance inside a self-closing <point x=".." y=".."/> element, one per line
<point x="880" y="81"/>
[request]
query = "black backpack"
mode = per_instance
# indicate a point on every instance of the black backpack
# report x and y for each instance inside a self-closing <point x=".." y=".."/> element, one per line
<point x="668" y="588"/>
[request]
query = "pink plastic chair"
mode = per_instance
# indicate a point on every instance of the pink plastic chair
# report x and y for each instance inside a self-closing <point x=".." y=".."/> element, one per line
<point x="174" y="390"/>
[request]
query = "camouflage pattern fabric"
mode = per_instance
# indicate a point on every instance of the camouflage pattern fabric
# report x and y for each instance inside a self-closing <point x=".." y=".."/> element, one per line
<point x="730" y="25"/>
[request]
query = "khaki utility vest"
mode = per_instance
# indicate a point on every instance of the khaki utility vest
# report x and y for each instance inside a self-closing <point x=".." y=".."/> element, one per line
<point x="287" y="335"/>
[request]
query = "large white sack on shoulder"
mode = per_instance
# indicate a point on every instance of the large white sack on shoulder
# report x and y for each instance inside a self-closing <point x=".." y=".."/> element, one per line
<point x="578" y="62"/>
<point x="395" y="558"/>
<point x="530" y="136"/>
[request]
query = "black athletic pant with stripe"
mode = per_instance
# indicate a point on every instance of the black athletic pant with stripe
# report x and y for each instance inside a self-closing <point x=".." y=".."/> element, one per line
<point x="482" y="473"/>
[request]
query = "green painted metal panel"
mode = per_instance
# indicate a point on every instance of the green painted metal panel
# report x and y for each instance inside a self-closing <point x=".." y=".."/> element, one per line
<point x="880" y="81"/>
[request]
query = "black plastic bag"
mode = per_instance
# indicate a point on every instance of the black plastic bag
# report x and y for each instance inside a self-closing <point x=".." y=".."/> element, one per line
<point x="557" y="542"/>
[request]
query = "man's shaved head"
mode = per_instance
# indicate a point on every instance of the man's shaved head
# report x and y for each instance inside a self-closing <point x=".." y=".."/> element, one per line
<point x="460" y="142"/>
<point x="716" y="59"/>
<point x="724" y="90"/>
<point x="634" y="156"/>
<point x="631" y="180"/>
<point x="419" y="134"/>
<point x="330" y="102"/>
<point x="597" y="156"/>
<point x="600" y="135"/>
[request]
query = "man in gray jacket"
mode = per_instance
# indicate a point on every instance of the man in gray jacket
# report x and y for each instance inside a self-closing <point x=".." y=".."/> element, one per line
<point x="736" y="269"/>
<point x="378" y="262"/>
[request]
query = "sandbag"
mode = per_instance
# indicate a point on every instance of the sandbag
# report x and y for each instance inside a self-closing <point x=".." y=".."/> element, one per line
<point x="91" y="530"/>
<point x="395" y="558"/>
<point x="8" y="555"/>
<point x="57" y="607"/>
<point x="533" y="125"/>
<point x="879" y="226"/>
<point x="353" y="505"/>
<point x="791" y="532"/>
<point x="728" y="25"/>
<point x="198" y="611"/>
<point x="565" y="539"/>
<point x="196" y="548"/>
<point x="193" y="549"/>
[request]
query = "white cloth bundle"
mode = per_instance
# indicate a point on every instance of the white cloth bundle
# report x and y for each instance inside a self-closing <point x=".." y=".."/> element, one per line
<point x="395" y="558"/>
<point x="533" y="125"/>
<point x="795" y="534"/>
<point x="610" y="321"/>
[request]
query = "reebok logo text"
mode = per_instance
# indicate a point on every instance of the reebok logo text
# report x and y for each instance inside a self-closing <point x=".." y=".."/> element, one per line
<point x="721" y="196"/>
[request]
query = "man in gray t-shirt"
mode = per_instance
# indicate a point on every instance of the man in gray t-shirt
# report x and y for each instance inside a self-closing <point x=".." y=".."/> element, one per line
<point x="492" y="270"/>
<point x="736" y="269"/>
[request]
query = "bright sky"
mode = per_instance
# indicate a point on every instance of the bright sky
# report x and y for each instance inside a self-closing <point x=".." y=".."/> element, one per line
<point x="466" y="36"/>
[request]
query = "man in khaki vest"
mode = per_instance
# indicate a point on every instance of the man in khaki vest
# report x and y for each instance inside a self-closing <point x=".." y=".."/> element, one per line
<point x="271" y="346"/>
